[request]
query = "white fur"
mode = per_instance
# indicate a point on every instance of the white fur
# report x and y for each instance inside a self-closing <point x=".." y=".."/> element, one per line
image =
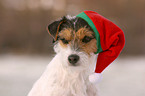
<point x="70" y="17"/>
<point x="62" y="79"/>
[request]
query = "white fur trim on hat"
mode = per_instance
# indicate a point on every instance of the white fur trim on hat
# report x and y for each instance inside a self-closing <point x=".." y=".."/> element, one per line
<point x="95" y="78"/>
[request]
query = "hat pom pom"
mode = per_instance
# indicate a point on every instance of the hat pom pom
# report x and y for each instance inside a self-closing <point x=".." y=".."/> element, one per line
<point x="95" y="78"/>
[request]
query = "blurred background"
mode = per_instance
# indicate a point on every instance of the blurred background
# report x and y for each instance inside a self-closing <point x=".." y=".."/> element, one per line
<point x="26" y="48"/>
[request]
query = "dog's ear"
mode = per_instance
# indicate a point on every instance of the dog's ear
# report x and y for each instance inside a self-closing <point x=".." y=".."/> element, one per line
<point x="54" y="28"/>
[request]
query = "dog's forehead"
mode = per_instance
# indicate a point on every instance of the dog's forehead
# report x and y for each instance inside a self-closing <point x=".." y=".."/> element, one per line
<point x="69" y="33"/>
<point x="75" y="27"/>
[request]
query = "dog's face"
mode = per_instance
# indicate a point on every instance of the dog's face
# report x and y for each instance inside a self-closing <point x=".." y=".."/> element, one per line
<point x="74" y="40"/>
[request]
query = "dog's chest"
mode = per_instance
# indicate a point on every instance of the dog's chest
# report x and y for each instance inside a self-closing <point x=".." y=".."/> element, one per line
<point x="69" y="86"/>
<point x="69" y="89"/>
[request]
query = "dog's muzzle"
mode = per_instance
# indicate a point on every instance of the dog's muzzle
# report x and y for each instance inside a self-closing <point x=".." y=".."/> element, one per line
<point x="73" y="59"/>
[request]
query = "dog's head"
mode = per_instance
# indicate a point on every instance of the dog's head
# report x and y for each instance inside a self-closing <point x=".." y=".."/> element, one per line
<point x="74" y="40"/>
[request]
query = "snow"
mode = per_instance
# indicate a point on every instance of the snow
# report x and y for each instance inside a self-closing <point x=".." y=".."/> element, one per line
<point x="124" y="77"/>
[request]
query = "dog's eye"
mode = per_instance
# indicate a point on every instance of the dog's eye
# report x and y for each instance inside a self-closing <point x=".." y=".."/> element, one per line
<point x="86" y="39"/>
<point x="64" y="41"/>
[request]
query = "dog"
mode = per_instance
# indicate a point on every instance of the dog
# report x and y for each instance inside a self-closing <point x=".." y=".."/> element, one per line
<point x="84" y="44"/>
<point x="68" y="72"/>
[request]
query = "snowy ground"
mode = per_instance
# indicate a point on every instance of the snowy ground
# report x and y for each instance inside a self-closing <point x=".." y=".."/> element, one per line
<point x="124" y="77"/>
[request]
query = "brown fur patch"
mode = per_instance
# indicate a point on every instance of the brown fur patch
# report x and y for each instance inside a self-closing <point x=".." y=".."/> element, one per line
<point x="66" y="34"/>
<point x="82" y="32"/>
<point x="89" y="47"/>
<point x="76" y="37"/>
<point x="62" y="44"/>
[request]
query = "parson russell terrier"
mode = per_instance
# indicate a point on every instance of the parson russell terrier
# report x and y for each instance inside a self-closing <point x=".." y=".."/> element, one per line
<point x="77" y="42"/>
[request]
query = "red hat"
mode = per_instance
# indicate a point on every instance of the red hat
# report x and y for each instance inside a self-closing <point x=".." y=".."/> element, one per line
<point x="110" y="38"/>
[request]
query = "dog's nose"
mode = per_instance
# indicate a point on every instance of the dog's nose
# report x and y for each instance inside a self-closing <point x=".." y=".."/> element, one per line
<point x="73" y="58"/>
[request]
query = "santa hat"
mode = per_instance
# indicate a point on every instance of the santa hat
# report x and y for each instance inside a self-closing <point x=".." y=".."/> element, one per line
<point x="110" y="40"/>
